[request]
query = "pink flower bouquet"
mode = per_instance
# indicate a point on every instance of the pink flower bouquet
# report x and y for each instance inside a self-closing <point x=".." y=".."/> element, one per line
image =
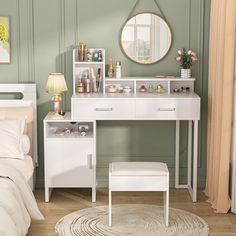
<point x="186" y="58"/>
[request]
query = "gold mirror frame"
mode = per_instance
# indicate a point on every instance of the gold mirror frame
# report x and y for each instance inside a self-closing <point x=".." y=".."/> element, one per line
<point x="143" y="63"/>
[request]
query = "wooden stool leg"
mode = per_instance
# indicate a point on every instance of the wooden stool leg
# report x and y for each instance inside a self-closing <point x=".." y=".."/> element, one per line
<point x="110" y="203"/>
<point x="166" y="207"/>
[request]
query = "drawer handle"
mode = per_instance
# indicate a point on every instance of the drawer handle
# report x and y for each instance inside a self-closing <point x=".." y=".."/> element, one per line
<point x="103" y="109"/>
<point x="166" y="109"/>
<point x="89" y="161"/>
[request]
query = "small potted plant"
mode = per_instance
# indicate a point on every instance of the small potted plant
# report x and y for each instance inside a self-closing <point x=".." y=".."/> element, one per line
<point x="186" y="60"/>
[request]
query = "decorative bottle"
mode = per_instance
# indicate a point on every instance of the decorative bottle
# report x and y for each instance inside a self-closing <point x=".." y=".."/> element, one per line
<point x="98" y="80"/>
<point x="93" y="78"/>
<point x="87" y="83"/>
<point x="82" y="52"/>
<point x="99" y="55"/>
<point x="110" y="69"/>
<point x="80" y="86"/>
<point x="118" y="69"/>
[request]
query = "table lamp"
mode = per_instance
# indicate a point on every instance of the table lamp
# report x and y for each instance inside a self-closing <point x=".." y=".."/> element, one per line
<point x="56" y="85"/>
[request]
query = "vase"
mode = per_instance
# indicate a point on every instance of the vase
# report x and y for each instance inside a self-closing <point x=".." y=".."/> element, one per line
<point x="185" y="73"/>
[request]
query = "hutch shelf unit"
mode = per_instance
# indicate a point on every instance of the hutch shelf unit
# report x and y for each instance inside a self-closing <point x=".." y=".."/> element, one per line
<point x="87" y="73"/>
<point x="69" y="157"/>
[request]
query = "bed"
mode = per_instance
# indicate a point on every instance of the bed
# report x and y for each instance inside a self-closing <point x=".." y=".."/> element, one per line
<point x="18" y="158"/>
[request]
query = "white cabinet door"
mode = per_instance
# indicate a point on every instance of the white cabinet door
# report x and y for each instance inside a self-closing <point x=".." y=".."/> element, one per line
<point x="70" y="163"/>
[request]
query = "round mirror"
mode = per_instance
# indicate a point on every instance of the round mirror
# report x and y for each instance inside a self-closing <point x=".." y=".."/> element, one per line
<point x="145" y="38"/>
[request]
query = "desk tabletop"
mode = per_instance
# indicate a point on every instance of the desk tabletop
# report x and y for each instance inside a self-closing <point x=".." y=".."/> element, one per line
<point x="136" y="96"/>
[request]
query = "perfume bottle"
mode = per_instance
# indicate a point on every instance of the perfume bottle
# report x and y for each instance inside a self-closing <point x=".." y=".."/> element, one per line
<point x="110" y="69"/>
<point x="118" y="69"/>
<point x="82" y="52"/>
<point x="99" y="55"/>
<point x="93" y="80"/>
<point x="95" y="55"/>
<point x="160" y="88"/>
<point x="80" y="87"/>
<point x="98" y="80"/>
<point x="150" y="88"/>
<point x="88" y="55"/>
<point x="87" y="84"/>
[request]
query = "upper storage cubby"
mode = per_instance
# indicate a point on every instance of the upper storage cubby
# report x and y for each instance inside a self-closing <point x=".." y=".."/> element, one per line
<point x="88" y="71"/>
<point x="149" y="85"/>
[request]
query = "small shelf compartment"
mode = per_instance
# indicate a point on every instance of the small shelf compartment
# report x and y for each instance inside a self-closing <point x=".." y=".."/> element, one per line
<point x="119" y="86"/>
<point x="150" y="85"/>
<point x="69" y="130"/>
<point x="186" y="85"/>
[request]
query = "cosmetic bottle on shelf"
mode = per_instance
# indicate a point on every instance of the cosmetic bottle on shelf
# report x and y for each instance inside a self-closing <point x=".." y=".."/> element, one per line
<point x="118" y="70"/>
<point x="82" y="52"/>
<point x="88" y="55"/>
<point x="80" y="86"/>
<point x="150" y="88"/>
<point x="93" y="80"/>
<point x="87" y="85"/>
<point x="98" y="80"/>
<point x="95" y="55"/>
<point x="110" y="69"/>
<point x="100" y="55"/>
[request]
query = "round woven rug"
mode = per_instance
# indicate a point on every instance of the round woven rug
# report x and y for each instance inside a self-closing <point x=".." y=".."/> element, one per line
<point x="132" y="220"/>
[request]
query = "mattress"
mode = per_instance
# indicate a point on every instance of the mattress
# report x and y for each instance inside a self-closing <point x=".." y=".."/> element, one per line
<point x="25" y="166"/>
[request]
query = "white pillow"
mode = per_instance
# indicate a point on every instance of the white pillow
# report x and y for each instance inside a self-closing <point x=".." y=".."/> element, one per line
<point x="25" y="144"/>
<point x="11" y="133"/>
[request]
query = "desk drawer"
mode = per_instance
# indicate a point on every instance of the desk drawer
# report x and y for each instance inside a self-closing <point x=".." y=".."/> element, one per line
<point x="168" y="109"/>
<point x="103" y="109"/>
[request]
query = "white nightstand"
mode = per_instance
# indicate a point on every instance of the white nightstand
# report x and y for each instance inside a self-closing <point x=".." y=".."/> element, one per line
<point x="69" y="157"/>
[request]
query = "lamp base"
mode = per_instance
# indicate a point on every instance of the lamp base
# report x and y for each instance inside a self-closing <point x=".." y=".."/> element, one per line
<point x="56" y="116"/>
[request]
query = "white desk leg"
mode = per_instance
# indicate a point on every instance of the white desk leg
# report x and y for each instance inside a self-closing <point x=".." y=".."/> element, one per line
<point x="177" y="154"/>
<point x="109" y="210"/>
<point x="195" y="160"/>
<point x="93" y="194"/>
<point x="190" y="153"/>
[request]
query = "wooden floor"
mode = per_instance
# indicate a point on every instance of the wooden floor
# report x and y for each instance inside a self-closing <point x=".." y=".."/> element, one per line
<point x="65" y="201"/>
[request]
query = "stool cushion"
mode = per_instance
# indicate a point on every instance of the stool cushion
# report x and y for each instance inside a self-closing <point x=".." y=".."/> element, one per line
<point x="138" y="168"/>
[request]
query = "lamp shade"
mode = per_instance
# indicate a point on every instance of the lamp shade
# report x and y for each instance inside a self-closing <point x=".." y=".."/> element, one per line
<point x="56" y="83"/>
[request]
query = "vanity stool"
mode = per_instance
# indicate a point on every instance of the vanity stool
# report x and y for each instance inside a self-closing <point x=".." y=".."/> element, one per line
<point x="139" y="176"/>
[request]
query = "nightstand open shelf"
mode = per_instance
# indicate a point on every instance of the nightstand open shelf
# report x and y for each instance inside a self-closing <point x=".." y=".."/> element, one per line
<point x="68" y="130"/>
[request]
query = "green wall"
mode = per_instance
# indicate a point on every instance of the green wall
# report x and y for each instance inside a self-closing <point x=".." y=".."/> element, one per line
<point x="43" y="34"/>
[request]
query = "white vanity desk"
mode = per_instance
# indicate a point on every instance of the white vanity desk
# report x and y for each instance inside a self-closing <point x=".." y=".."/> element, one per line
<point x="139" y="106"/>
<point x="70" y="159"/>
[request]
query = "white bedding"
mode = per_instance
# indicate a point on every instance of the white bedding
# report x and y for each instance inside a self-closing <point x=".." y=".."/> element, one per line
<point x="17" y="203"/>
<point x="25" y="166"/>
